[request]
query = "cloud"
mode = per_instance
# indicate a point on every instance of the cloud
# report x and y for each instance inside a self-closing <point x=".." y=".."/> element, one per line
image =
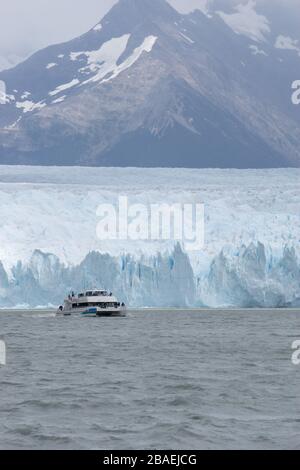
<point x="247" y="21"/>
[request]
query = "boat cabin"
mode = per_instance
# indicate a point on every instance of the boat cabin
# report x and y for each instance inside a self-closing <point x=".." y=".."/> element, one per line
<point x="93" y="298"/>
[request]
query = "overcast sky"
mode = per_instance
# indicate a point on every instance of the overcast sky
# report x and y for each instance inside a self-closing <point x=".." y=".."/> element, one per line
<point x="29" y="25"/>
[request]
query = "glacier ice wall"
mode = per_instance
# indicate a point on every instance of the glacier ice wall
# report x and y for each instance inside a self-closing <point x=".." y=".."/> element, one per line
<point x="249" y="279"/>
<point x="161" y="281"/>
<point x="246" y="280"/>
<point x="48" y="243"/>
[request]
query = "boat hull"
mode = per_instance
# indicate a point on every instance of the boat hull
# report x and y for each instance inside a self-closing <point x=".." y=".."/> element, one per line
<point x="93" y="312"/>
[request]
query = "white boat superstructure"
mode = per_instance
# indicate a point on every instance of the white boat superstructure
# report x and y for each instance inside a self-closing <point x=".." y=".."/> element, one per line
<point x="93" y="303"/>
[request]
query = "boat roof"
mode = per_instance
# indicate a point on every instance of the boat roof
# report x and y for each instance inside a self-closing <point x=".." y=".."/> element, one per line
<point x="93" y="293"/>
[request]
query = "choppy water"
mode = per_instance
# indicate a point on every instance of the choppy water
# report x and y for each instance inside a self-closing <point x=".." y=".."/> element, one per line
<point x="171" y="379"/>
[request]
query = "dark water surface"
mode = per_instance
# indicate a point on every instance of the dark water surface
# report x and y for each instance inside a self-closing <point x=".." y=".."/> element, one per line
<point x="168" y="379"/>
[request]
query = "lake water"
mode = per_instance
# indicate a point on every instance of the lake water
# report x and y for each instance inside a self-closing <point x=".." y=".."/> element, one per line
<point x="153" y="380"/>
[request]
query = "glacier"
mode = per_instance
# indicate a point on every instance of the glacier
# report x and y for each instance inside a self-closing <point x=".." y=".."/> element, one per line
<point x="48" y="242"/>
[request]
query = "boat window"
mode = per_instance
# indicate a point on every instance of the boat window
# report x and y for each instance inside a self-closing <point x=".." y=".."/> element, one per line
<point x="80" y="295"/>
<point x="89" y="294"/>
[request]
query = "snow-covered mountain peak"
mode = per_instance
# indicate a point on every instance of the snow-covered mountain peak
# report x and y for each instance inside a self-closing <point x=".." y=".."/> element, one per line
<point x="98" y="56"/>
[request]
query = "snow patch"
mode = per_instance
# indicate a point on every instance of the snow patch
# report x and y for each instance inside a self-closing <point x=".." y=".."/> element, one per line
<point x="256" y="51"/>
<point x="25" y="95"/>
<point x="51" y="65"/>
<point x="106" y="57"/>
<point x="59" y="100"/>
<point x="65" y="86"/>
<point x="186" y="38"/>
<point x="29" y="106"/>
<point x="104" y="61"/>
<point x="14" y="124"/>
<point x="287" y="43"/>
<point x="247" y="22"/>
<point x="98" y="27"/>
<point x="4" y="97"/>
<point x="2" y="92"/>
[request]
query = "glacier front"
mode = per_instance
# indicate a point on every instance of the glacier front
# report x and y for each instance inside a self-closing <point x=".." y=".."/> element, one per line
<point x="49" y="246"/>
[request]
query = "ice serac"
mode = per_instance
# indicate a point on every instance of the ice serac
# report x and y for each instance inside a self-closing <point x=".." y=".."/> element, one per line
<point x="161" y="281"/>
<point x="244" y="280"/>
<point x="153" y="87"/>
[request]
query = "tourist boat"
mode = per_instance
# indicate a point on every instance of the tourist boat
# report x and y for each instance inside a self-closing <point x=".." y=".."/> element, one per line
<point x="92" y="303"/>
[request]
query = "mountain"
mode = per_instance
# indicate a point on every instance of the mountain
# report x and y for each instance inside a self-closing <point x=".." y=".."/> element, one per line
<point x="150" y="87"/>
